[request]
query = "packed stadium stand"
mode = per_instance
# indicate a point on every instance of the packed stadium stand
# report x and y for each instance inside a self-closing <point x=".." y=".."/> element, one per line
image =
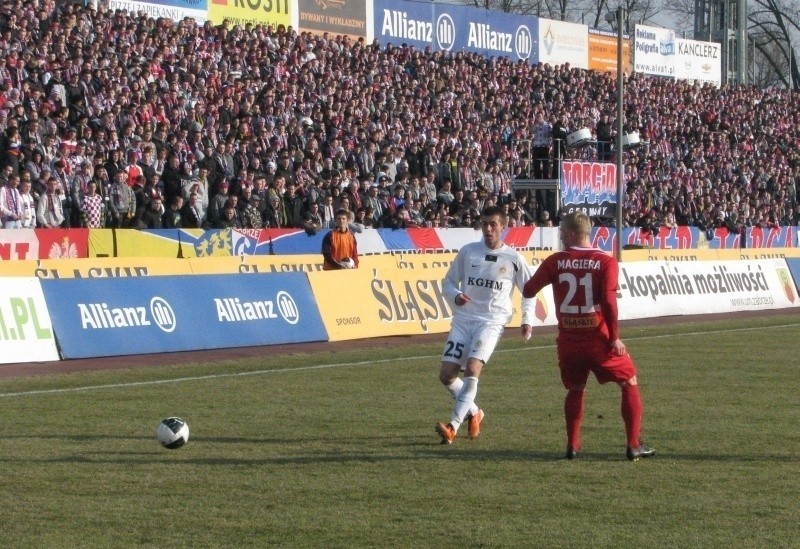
<point x="112" y="119"/>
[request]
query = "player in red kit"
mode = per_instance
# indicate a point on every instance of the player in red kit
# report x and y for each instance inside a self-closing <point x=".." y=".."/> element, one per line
<point x="584" y="283"/>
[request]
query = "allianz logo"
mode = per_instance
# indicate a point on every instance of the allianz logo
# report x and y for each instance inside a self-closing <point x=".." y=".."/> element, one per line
<point x="98" y="316"/>
<point x="234" y="309"/>
<point x="399" y="24"/>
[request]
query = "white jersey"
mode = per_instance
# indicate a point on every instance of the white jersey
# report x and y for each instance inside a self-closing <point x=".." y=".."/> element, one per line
<point x="488" y="278"/>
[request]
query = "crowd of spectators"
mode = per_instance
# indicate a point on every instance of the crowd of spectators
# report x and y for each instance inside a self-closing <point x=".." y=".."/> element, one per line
<point x="112" y="119"/>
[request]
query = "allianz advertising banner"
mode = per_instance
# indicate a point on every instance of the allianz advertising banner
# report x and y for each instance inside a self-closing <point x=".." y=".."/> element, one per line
<point x="128" y="316"/>
<point x="168" y="9"/>
<point x="25" y="331"/>
<point x="455" y="28"/>
<point x="654" y="51"/>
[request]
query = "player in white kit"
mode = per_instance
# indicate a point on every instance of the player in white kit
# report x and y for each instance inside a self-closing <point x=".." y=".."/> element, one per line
<point x="480" y="283"/>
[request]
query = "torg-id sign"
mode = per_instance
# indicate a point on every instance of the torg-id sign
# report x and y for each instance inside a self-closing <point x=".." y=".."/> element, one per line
<point x="590" y="187"/>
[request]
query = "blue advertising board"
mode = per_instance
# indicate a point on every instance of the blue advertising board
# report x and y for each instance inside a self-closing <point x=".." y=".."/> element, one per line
<point x="142" y="315"/>
<point x="448" y="27"/>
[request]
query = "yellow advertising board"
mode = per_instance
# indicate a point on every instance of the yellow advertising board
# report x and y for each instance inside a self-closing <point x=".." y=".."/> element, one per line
<point x="535" y="257"/>
<point x="246" y="264"/>
<point x="19" y="267"/>
<point x="404" y="261"/>
<point x="759" y="253"/>
<point x="647" y="254"/>
<point x="376" y="302"/>
<point x="257" y="12"/>
<point x="384" y="300"/>
<point x="110" y="267"/>
<point x="280" y="263"/>
<point x="708" y="254"/>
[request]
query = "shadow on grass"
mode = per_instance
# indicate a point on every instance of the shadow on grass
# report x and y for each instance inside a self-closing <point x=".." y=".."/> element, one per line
<point x="379" y="448"/>
<point x="76" y="438"/>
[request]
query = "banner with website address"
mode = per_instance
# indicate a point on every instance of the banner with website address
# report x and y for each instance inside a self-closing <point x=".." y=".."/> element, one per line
<point x="26" y="334"/>
<point x="654" y="51"/>
<point x="665" y="288"/>
<point x="707" y="254"/>
<point x="254" y="12"/>
<point x="127" y="316"/>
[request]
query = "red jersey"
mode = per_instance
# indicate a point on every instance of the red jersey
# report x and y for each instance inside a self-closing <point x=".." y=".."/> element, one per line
<point x="585" y="291"/>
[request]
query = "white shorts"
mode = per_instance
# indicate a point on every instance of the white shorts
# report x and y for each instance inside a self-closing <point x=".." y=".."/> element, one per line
<point x="471" y="339"/>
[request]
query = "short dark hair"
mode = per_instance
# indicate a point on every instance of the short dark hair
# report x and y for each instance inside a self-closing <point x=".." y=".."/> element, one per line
<point x="493" y="210"/>
<point x="341" y="211"/>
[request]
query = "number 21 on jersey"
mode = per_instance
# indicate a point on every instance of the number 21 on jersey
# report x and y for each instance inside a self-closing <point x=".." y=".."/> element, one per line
<point x="579" y="298"/>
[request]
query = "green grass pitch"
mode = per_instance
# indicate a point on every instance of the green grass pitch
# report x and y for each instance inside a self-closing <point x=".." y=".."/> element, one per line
<point x="338" y="450"/>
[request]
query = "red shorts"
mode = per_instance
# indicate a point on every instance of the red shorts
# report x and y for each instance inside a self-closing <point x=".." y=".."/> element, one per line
<point x="578" y="357"/>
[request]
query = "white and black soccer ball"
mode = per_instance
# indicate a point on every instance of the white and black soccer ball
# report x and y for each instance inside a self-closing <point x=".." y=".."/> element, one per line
<point x="348" y="263"/>
<point x="172" y="432"/>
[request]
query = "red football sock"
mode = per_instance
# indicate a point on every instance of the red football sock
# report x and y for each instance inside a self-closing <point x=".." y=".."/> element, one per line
<point x="573" y="413"/>
<point x="632" y="413"/>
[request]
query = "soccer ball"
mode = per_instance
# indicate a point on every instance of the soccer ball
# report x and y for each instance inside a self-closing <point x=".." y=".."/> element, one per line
<point x="172" y="432"/>
<point x="348" y="263"/>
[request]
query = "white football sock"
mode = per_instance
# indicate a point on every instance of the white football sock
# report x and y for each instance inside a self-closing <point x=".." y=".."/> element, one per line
<point x="455" y="388"/>
<point x="465" y="401"/>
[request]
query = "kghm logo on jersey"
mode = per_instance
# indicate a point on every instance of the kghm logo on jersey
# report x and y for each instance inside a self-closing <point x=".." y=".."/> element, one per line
<point x="484" y="283"/>
<point x="445" y="32"/>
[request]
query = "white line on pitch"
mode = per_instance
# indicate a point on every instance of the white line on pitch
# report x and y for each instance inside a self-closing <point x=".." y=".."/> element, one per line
<point x="345" y="364"/>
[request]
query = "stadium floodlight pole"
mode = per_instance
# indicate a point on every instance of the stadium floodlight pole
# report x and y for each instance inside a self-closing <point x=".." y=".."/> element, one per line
<point x="620" y="17"/>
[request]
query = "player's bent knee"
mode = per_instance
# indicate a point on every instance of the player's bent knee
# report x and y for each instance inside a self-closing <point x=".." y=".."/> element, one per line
<point x="631" y="381"/>
<point x="446" y="379"/>
<point x="448" y="372"/>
